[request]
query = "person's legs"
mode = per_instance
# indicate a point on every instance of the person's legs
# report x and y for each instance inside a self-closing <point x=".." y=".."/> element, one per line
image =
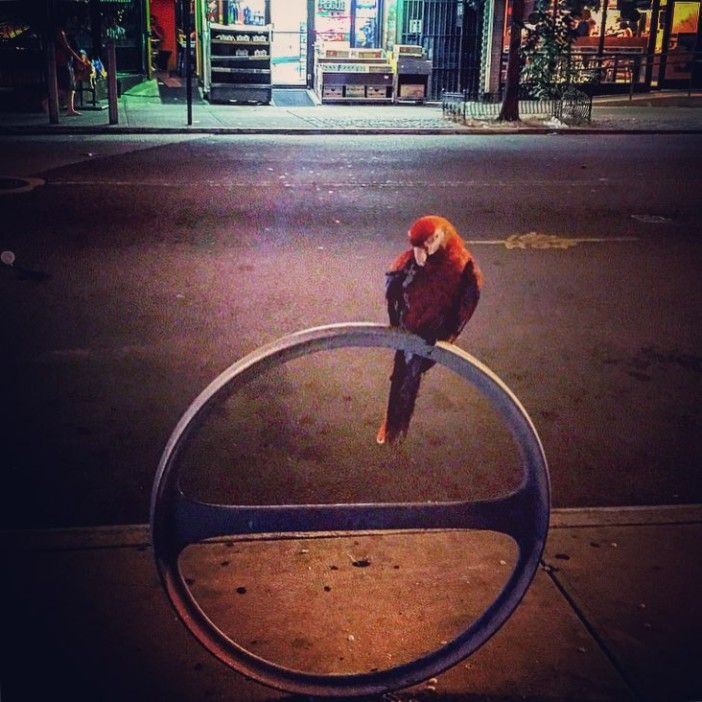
<point x="70" y="104"/>
<point x="69" y="90"/>
<point x="62" y="79"/>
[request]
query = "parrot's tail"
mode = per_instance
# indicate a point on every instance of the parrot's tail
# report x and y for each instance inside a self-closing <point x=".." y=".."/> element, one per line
<point x="404" y="388"/>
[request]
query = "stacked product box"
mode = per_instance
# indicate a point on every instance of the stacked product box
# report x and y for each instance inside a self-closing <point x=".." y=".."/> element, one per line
<point x="412" y="73"/>
<point x="343" y="74"/>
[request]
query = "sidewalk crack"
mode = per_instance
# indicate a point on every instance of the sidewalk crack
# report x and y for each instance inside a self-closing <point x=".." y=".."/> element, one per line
<point x="633" y="688"/>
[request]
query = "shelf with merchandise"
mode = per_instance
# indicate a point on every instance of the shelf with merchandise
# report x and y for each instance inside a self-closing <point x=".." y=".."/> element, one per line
<point x="239" y="63"/>
<point x="353" y="75"/>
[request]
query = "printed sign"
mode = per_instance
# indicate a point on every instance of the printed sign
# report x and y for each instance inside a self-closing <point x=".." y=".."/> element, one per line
<point x="325" y="6"/>
<point x="345" y="67"/>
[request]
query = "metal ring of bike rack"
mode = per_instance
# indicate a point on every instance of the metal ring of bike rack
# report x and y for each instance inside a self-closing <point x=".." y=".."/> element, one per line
<point x="177" y="521"/>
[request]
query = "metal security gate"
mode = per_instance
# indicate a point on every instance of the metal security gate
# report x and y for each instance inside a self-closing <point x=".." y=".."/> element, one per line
<point x="450" y="32"/>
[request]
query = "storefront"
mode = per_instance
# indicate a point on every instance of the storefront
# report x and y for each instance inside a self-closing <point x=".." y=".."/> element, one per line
<point x="359" y="32"/>
<point x="649" y="42"/>
<point x="676" y="45"/>
<point x="639" y="44"/>
<point x="89" y="26"/>
<point x="298" y="44"/>
<point x="21" y="55"/>
<point x="290" y="31"/>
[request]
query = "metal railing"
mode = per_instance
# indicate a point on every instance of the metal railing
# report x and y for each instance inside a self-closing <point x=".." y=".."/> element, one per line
<point x="637" y="70"/>
<point x="573" y="105"/>
<point x="583" y="75"/>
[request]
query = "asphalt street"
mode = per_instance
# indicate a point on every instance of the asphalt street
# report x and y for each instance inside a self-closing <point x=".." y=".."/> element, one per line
<point x="144" y="267"/>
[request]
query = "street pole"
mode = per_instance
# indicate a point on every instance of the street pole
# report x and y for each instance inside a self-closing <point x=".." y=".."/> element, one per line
<point x="509" y="112"/>
<point x="188" y="67"/>
<point x="53" y="99"/>
<point x="601" y="42"/>
<point x="112" y="82"/>
<point x="651" y="48"/>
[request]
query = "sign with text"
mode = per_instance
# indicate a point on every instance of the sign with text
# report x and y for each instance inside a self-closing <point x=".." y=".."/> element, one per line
<point x="326" y="7"/>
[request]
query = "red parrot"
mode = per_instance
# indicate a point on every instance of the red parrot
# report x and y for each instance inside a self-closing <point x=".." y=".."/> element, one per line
<point x="432" y="290"/>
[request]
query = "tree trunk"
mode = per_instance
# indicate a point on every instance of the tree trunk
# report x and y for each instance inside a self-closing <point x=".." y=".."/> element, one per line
<point x="509" y="112"/>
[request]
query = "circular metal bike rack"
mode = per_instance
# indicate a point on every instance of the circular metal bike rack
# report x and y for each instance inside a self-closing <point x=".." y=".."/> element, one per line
<point x="178" y="521"/>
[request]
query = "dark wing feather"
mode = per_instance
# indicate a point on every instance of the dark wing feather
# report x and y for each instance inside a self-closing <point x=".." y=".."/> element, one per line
<point x="396" y="281"/>
<point x="466" y="301"/>
<point x="394" y="296"/>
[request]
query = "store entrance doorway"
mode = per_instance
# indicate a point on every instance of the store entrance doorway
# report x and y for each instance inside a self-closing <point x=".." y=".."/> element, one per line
<point x="289" y="19"/>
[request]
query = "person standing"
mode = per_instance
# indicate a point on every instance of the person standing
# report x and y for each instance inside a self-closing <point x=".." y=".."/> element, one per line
<point x="156" y="40"/>
<point x="65" y="55"/>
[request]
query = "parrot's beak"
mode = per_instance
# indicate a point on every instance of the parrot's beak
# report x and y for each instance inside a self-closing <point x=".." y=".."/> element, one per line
<point x="420" y="255"/>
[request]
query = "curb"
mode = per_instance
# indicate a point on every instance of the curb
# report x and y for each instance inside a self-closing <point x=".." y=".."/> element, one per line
<point x="351" y="131"/>
<point x="139" y="535"/>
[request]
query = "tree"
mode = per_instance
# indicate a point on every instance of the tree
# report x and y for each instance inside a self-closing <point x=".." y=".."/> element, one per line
<point x="549" y="36"/>
<point x="546" y="53"/>
<point x="509" y="112"/>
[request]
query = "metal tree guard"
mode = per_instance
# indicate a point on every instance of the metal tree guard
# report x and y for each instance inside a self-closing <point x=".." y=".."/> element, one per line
<point x="178" y="521"/>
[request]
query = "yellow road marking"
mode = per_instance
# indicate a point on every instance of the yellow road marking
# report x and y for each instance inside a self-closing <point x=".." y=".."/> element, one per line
<point x="534" y="240"/>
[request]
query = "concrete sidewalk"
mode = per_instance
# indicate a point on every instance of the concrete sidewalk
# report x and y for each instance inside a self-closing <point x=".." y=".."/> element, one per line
<point x="613" y="614"/>
<point x="143" y="114"/>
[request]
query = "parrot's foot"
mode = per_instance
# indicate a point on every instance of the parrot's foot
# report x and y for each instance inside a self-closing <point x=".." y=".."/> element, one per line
<point x="381" y="435"/>
<point x="390" y="438"/>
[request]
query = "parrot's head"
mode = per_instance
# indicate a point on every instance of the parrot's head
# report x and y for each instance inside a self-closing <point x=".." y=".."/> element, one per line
<point x="429" y="234"/>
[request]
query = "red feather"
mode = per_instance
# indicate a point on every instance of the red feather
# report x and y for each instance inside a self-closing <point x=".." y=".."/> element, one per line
<point x="434" y="301"/>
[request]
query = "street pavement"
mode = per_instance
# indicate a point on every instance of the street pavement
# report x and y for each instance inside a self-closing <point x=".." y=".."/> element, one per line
<point x="672" y="111"/>
<point x="145" y="267"/>
<point x="612" y="613"/>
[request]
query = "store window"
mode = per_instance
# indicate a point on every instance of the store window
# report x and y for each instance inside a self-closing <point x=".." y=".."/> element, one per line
<point x="236" y="12"/>
<point x="682" y="40"/>
<point x="21" y="55"/>
<point x="355" y="23"/>
<point x="625" y="29"/>
<point x="122" y="23"/>
<point x="76" y="18"/>
<point x="366" y="25"/>
<point x="626" y="23"/>
<point x="332" y="21"/>
<point x="613" y="40"/>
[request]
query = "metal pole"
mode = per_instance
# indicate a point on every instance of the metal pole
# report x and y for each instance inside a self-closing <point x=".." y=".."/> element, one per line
<point x="696" y="70"/>
<point x="53" y="99"/>
<point x="631" y="82"/>
<point x="665" y="44"/>
<point x="461" y="13"/>
<point x="651" y="48"/>
<point x="112" y="82"/>
<point x="600" y="44"/>
<point x="692" y="73"/>
<point x="188" y="67"/>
